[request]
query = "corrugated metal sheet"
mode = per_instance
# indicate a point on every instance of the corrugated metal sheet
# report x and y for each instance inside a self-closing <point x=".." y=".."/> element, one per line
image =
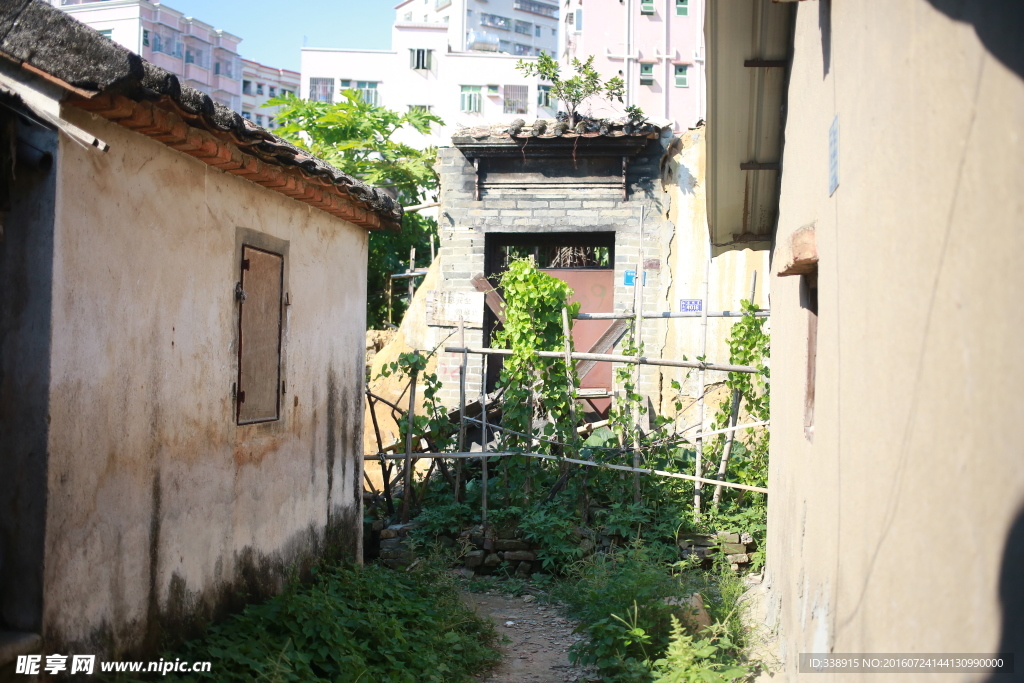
<point x="746" y="39"/>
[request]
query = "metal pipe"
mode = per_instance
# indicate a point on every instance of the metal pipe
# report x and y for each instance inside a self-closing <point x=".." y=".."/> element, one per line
<point x="669" y="314"/>
<point x="610" y="358"/>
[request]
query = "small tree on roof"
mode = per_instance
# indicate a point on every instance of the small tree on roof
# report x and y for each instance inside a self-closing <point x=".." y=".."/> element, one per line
<point x="571" y="92"/>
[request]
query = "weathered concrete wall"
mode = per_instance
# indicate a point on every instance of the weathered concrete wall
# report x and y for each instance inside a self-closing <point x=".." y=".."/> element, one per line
<point x="729" y="275"/>
<point x="26" y="268"/>
<point x="891" y="531"/>
<point x="160" y="505"/>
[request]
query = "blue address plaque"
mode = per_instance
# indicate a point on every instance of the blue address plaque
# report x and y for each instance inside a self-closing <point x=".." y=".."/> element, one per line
<point x="690" y="305"/>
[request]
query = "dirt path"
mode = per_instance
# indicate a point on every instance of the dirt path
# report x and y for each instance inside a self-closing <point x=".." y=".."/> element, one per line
<point x="540" y="639"/>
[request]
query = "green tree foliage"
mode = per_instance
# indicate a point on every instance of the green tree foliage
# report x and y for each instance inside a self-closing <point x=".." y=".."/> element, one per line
<point x="573" y="91"/>
<point x="358" y="138"/>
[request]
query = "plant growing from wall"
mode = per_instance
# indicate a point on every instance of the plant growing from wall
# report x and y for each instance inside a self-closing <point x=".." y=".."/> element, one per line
<point x="358" y="138"/>
<point x="573" y="91"/>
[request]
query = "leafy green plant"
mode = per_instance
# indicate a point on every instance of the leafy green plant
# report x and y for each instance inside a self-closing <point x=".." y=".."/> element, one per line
<point x="694" y="660"/>
<point x="574" y="90"/>
<point x="352" y="624"/>
<point x="358" y="138"/>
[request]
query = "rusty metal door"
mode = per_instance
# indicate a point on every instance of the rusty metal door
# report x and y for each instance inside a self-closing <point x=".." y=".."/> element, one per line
<point x="594" y="288"/>
<point x="259" y="338"/>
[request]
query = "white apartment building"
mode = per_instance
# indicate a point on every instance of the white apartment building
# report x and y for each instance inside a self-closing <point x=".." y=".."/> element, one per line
<point x="200" y="55"/>
<point x="456" y="58"/>
<point x="261" y="83"/>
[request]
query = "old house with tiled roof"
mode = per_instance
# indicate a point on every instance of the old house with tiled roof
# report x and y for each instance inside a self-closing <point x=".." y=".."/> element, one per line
<point x="182" y="314"/>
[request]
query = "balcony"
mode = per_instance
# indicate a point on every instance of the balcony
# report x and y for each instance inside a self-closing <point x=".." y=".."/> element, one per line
<point x="540" y="8"/>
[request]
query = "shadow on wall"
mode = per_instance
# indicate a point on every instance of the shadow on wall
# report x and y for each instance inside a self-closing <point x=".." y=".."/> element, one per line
<point x="998" y="23"/>
<point x="1011" y="596"/>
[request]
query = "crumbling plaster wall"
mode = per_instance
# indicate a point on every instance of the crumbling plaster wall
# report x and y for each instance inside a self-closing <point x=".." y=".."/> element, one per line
<point x="891" y="531"/>
<point x="730" y="275"/>
<point x="161" y="509"/>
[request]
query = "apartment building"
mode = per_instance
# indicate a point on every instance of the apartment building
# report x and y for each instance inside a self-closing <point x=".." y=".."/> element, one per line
<point x="200" y="55"/>
<point x="456" y="58"/>
<point x="261" y="83"/>
<point x="655" y="46"/>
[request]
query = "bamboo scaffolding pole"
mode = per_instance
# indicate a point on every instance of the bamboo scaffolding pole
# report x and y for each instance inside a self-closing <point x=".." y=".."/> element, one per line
<point x="610" y="358"/>
<point x="670" y="314"/>
<point x="701" y="404"/>
<point x="589" y="463"/>
<point x="412" y="271"/>
<point x="483" y="446"/>
<point x="734" y="416"/>
<point x="407" y="482"/>
<point x="462" y="408"/>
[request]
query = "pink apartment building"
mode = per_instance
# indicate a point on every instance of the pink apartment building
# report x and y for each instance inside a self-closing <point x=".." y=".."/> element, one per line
<point x="200" y="55"/>
<point x="655" y="46"/>
<point x="261" y="83"/>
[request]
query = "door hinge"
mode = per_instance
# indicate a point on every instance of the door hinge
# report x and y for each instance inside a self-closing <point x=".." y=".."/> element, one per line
<point x="239" y="292"/>
<point x="241" y="397"/>
<point x="245" y="264"/>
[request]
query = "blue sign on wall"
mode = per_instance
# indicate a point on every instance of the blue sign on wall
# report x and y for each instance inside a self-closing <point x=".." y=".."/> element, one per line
<point x="629" y="278"/>
<point x="690" y="305"/>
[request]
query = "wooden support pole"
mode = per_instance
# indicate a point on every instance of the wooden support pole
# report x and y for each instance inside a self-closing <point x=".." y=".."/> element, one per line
<point x="483" y="446"/>
<point x="412" y="283"/>
<point x="638" y="319"/>
<point x="407" y="492"/>
<point x="462" y="409"/>
<point x="701" y="406"/>
<point x="734" y="415"/>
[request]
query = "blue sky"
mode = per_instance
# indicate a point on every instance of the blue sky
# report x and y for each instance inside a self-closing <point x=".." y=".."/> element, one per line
<point x="272" y="32"/>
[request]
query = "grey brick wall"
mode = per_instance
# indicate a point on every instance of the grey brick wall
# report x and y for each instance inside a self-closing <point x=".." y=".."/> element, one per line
<point x="464" y="222"/>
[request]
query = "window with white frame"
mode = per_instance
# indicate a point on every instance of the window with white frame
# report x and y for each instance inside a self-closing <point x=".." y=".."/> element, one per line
<point x="471" y="99"/>
<point x="273" y="91"/>
<point x="680" y="73"/>
<point x="321" y="90"/>
<point x="579" y="21"/>
<point x="419" y="59"/>
<point x="646" y="74"/>
<point x="682" y="8"/>
<point x="536" y="31"/>
<point x="259" y="119"/>
<point x="145" y="37"/>
<point x="517" y="99"/>
<point x="646" y="6"/>
<point x="423" y="108"/>
<point x="368" y="91"/>
<point x="544" y="96"/>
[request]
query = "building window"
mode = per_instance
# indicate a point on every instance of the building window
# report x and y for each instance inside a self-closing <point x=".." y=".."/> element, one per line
<point x="682" y="8"/>
<point x="524" y="27"/>
<point x="536" y="31"/>
<point x="321" y="90"/>
<point x="809" y="302"/>
<point x="259" y="88"/>
<point x="470" y="100"/>
<point x="246" y="87"/>
<point x="646" y="74"/>
<point x="522" y="50"/>
<point x="544" y="96"/>
<point x="259" y="339"/>
<point x="505" y="46"/>
<point x="646" y="6"/>
<point x="216" y="68"/>
<point x="408" y="16"/>
<point x="247" y="115"/>
<point x="424" y="108"/>
<point x="492" y="90"/>
<point x="554" y="31"/>
<point x="579" y="21"/>
<point x="495" y="21"/>
<point x="419" y="59"/>
<point x="270" y="122"/>
<point x="273" y="91"/>
<point x="107" y="32"/>
<point x="259" y="119"/>
<point x="681" y="81"/>
<point x="540" y="8"/>
<point x="145" y="37"/>
<point x="517" y="99"/>
<point x="368" y="92"/>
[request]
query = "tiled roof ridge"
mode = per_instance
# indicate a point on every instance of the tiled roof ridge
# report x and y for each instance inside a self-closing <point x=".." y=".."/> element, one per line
<point x="549" y="128"/>
<point x="54" y="43"/>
